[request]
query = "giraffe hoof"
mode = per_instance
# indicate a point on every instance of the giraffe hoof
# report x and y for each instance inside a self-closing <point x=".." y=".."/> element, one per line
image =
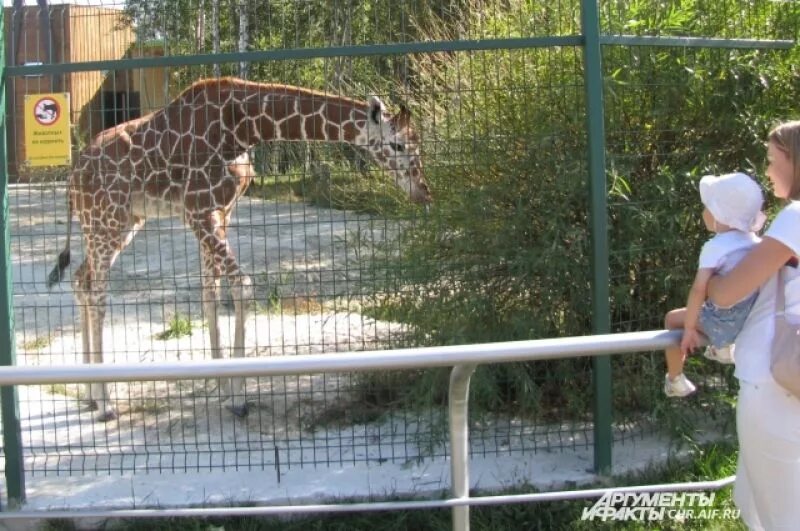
<point x="107" y="416"/>
<point x="239" y="411"/>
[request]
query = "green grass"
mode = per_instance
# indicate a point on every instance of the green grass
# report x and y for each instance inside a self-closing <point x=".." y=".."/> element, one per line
<point x="37" y="343"/>
<point x="72" y="391"/>
<point x="284" y="188"/>
<point x="710" y="462"/>
<point x="178" y="326"/>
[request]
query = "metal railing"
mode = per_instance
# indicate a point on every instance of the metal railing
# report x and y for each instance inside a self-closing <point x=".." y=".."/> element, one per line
<point x="464" y="360"/>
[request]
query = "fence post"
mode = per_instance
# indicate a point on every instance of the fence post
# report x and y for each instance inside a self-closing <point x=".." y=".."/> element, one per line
<point x="593" y="83"/>
<point x="9" y="406"/>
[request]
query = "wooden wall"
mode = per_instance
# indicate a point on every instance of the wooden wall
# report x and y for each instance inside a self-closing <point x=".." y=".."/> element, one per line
<point x="152" y="84"/>
<point x="95" y="34"/>
<point x="79" y="33"/>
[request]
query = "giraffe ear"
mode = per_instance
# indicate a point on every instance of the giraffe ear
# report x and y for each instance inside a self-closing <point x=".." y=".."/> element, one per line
<point x="403" y="117"/>
<point x="376" y="109"/>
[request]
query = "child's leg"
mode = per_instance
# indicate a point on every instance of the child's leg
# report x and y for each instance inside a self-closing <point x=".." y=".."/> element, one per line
<point x="674" y="320"/>
<point x="675" y="383"/>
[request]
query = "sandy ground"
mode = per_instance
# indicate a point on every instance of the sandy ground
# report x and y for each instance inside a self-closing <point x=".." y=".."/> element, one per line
<point x="175" y="445"/>
<point x="305" y="258"/>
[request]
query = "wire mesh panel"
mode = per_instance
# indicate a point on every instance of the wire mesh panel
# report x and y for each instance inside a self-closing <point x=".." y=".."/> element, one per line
<point x="337" y="256"/>
<point x="337" y="245"/>
<point x="675" y="114"/>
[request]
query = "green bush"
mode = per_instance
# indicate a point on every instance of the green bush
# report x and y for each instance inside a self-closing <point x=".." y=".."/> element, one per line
<point x="505" y="255"/>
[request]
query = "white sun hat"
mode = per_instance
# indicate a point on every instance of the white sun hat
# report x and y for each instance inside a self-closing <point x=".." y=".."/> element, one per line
<point x="734" y="199"/>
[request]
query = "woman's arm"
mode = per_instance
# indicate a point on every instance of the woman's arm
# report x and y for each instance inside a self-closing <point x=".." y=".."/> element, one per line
<point x="763" y="261"/>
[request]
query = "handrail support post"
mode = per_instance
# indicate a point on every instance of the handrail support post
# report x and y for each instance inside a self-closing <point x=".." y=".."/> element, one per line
<point x="458" y="413"/>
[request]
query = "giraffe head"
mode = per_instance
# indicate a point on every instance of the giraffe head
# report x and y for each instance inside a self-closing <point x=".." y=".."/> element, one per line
<point x="395" y="146"/>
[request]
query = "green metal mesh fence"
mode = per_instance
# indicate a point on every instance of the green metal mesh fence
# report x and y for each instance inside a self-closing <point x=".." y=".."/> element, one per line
<point x="339" y="258"/>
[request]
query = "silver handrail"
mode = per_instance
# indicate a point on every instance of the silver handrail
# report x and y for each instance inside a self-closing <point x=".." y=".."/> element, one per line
<point x="463" y="358"/>
<point x="411" y="358"/>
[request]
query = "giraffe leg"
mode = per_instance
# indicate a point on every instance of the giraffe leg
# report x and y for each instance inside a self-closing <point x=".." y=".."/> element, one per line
<point x="241" y="288"/>
<point x="218" y="259"/>
<point x="91" y="292"/>
<point x="241" y="285"/>
<point x="211" y="301"/>
<point x="99" y="390"/>
<point x="82" y="298"/>
<point x="91" y="295"/>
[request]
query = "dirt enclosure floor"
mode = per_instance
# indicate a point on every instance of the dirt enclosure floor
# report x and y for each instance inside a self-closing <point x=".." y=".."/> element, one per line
<point x="308" y="286"/>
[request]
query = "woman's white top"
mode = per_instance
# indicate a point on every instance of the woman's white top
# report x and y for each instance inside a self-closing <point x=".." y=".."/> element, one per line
<point x="755" y="339"/>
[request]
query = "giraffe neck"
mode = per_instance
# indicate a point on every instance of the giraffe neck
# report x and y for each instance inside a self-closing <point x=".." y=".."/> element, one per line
<point x="260" y="112"/>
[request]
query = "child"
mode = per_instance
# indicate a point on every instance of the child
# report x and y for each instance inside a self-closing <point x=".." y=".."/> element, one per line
<point x="733" y="212"/>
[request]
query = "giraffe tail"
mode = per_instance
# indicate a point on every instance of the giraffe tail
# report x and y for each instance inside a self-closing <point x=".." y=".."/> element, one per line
<point x="57" y="274"/>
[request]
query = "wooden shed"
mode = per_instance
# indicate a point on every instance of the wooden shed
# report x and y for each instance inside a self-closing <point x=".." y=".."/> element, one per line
<point x="98" y="99"/>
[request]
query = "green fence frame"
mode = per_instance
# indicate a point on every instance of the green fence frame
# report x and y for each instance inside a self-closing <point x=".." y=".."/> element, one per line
<point x="601" y="320"/>
<point x="9" y="405"/>
<point x="591" y="41"/>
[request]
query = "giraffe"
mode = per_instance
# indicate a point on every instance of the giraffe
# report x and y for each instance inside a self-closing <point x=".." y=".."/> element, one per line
<point x="190" y="159"/>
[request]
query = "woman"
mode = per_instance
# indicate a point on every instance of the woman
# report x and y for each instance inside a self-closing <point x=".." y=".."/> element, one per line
<point x="767" y="416"/>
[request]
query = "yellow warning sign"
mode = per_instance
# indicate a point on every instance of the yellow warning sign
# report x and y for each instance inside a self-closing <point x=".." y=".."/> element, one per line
<point x="47" y="138"/>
